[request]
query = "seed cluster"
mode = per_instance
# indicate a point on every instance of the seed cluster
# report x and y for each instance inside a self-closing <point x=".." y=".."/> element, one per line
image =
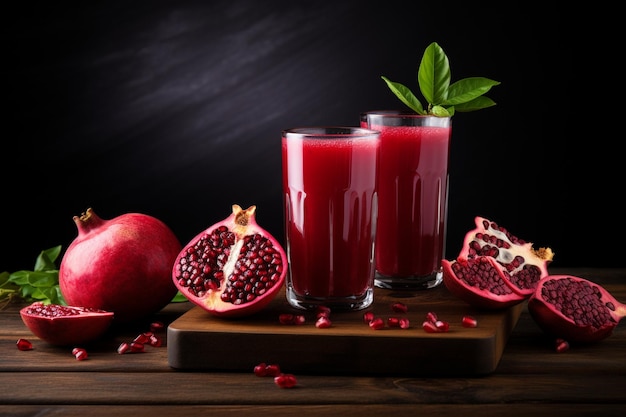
<point x="257" y="269"/>
<point x="55" y="310"/>
<point x="480" y="273"/>
<point x="578" y="300"/>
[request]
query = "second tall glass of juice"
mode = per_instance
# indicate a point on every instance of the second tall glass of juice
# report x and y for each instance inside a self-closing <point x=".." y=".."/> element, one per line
<point x="330" y="200"/>
<point x="412" y="197"/>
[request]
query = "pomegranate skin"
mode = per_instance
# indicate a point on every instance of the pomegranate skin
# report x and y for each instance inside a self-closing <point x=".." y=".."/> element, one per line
<point x="574" y="309"/>
<point x="234" y="268"/>
<point x="65" y="325"/>
<point x="121" y="265"/>
<point x="461" y="279"/>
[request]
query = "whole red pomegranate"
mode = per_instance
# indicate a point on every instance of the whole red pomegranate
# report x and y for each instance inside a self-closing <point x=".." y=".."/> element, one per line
<point x="574" y="309"/>
<point x="121" y="265"/>
<point x="65" y="325"/>
<point x="232" y="269"/>
<point x="495" y="268"/>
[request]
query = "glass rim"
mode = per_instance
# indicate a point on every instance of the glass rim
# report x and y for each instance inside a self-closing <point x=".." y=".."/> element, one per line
<point x="330" y="132"/>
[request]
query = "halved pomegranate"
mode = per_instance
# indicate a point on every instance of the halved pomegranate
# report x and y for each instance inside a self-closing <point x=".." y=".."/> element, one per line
<point x="66" y="325"/>
<point x="494" y="268"/>
<point x="522" y="265"/>
<point x="574" y="309"/>
<point x="232" y="269"/>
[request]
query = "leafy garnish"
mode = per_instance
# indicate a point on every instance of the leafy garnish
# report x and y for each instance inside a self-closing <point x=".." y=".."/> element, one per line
<point x="443" y="98"/>
<point x="40" y="284"/>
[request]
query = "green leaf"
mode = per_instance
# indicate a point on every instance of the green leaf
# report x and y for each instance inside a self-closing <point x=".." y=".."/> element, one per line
<point x="478" y="103"/>
<point x="405" y="95"/>
<point x="45" y="260"/>
<point x="440" y="111"/>
<point x="179" y="298"/>
<point x="468" y="89"/>
<point x="433" y="74"/>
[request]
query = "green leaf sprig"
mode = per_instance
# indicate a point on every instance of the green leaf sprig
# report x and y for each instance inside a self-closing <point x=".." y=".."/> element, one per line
<point x="443" y="98"/>
<point x="40" y="284"/>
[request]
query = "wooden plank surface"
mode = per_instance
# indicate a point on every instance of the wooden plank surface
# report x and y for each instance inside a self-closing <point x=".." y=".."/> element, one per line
<point x="199" y="341"/>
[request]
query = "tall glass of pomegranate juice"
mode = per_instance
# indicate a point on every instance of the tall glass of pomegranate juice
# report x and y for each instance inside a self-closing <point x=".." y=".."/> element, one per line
<point x="412" y="197"/>
<point x="330" y="209"/>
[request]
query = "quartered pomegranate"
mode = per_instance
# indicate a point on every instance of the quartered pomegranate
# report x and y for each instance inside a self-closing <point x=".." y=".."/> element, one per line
<point x="65" y="325"/>
<point x="232" y="269"/>
<point x="574" y="309"/>
<point x="495" y="269"/>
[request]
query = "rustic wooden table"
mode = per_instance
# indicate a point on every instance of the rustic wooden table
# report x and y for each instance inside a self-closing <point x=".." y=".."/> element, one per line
<point x="531" y="379"/>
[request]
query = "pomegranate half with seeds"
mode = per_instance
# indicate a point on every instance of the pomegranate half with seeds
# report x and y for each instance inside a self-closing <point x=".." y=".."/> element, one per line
<point x="574" y="309"/>
<point x="66" y="325"/>
<point x="495" y="269"/>
<point x="232" y="269"/>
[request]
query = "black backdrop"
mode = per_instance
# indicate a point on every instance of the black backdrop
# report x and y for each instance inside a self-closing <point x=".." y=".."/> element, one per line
<point x="175" y="109"/>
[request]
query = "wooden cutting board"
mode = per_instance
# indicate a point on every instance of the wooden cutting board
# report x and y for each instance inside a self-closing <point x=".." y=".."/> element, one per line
<point x="199" y="341"/>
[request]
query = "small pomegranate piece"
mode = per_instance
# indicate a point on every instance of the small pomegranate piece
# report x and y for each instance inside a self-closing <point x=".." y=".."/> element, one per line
<point x="429" y="327"/>
<point x="80" y="354"/>
<point x="404" y="323"/>
<point x="399" y="308"/>
<point x="24" y="344"/>
<point x="323" y="322"/>
<point x="469" y="321"/>
<point x="156" y="326"/>
<point x="122" y="265"/>
<point x="264" y="369"/>
<point x="561" y="345"/>
<point x="495" y="269"/>
<point x="234" y="268"/>
<point x="574" y="309"/>
<point x="285" y="380"/>
<point x="322" y="311"/>
<point x="65" y="325"/>
<point x="368" y="316"/>
<point x="377" y="323"/>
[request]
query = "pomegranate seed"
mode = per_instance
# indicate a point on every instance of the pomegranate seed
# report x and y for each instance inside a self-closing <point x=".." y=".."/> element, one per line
<point x="377" y="323"/>
<point x="442" y="326"/>
<point x="286" y="318"/>
<point x="23" y="344"/>
<point x="260" y="369"/>
<point x="430" y="327"/>
<point x="393" y="322"/>
<point x="368" y="316"/>
<point x="431" y="317"/>
<point x="322" y="311"/>
<point x="299" y="319"/>
<point x="80" y="354"/>
<point x="399" y="308"/>
<point x="469" y="321"/>
<point x="136" y="347"/>
<point x="323" y="322"/>
<point x="285" y="380"/>
<point x="156" y="326"/>
<point x="272" y="370"/>
<point x="155" y="341"/>
<point x="404" y="323"/>
<point x="561" y="345"/>
<point x="123" y="348"/>
<point x="143" y="338"/>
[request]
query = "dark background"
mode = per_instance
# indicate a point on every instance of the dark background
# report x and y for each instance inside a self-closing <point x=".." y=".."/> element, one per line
<point x="175" y="109"/>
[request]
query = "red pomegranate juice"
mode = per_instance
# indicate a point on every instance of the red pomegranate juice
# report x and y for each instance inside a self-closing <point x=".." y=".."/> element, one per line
<point x="330" y="202"/>
<point x="412" y="198"/>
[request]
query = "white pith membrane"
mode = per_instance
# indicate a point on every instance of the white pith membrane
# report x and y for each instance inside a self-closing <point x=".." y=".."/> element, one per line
<point x="212" y="300"/>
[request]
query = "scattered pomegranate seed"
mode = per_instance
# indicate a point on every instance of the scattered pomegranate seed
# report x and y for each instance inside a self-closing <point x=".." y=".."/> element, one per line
<point x="432" y="317"/>
<point x="123" y="348"/>
<point x="136" y="347"/>
<point x="399" y="308"/>
<point x="322" y="311"/>
<point x="442" y="326"/>
<point x="143" y="338"/>
<point x="323" y="322"/>
<point x="561" y="345"/>
<point x="156" y="326"/>
<point x="469" y="321"/>
<point x="429" y="327"/>
<point x="393" y="322"/>
<point x="155" y="341"/>
<point x="377" y="323"/>
<point x="367" y="317"/>
<point x="285" y="380"/>
<point x="264" y="369"/>
<point x="23" y="344"/>
<point x="80" y="354"/>
<point x="287" y="318"/>
<point x="404" y="323"/>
